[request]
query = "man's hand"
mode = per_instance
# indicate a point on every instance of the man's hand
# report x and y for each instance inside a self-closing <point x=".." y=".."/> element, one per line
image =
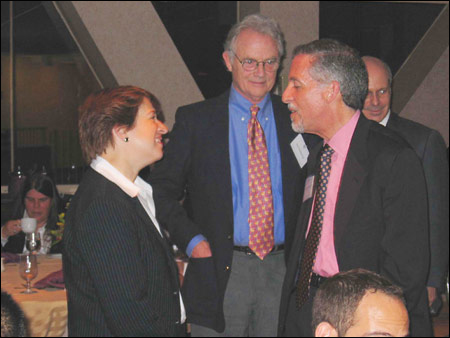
<point x="432" y="294"/>
<point x="201" y="250"/>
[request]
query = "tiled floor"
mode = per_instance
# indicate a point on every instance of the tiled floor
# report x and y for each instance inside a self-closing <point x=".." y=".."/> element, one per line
<point x="440" y="323"/>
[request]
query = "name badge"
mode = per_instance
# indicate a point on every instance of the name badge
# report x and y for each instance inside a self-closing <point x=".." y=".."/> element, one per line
<point x="309" y="188"/>
<point x="300" y="150"/>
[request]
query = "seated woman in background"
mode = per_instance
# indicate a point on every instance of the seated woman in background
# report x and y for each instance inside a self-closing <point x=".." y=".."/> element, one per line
<point x="120" y="274"/>
<point x="40" y="200"/>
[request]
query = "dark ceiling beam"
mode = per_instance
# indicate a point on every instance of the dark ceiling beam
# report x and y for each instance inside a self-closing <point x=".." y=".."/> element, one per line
<point x="420" y="62"/>
<point x="85" y="44"/>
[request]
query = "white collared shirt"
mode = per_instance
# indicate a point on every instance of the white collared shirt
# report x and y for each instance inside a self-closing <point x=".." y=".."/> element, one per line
<point x="385" y="121"/>
<point x="139" y="188"/>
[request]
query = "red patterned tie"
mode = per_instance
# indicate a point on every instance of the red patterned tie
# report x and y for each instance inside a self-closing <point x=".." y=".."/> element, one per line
<point x="315" y="231"/>
<point x="260" y="217"/>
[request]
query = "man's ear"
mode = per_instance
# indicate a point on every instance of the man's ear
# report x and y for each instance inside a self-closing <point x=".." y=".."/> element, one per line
<point x="332" y="90"/>
<point x="227" y="60"/>
<point x="325" y="329"/>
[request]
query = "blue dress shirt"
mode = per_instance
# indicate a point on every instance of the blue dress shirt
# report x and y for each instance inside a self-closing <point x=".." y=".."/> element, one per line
<point x="239" y="116"/>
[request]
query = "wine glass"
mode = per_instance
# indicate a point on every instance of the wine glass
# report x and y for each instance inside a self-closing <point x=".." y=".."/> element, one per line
<point x="33" y="241"/>
<point x="28" y="270"/>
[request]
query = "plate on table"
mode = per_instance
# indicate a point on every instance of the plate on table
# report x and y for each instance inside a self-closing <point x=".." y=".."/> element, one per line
<point x="55" y="256"/>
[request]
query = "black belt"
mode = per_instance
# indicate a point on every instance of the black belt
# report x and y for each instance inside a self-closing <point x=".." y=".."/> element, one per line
<point x="249" y="251"/>
<point x="317" y="280"/>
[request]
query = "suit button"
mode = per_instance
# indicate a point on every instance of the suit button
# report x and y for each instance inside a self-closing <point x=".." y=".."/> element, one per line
<point x="177" y="322"/>
<point x="230" y="237"/>
<point x="175" y="293"/>
<point x="227" y="268"/>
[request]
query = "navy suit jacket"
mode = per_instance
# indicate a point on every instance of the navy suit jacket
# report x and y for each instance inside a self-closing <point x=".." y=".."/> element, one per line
<point x="430" y="147"/>
<point x="196" y="167"/>
<point x="380" y="222"/>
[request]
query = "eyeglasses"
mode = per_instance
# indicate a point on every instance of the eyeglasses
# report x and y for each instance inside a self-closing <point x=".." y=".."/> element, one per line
<point x="270" y="65"/>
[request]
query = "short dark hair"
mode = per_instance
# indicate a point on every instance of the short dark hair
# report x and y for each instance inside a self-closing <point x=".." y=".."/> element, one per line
<point x="105" y="109"/>
<point x="338" y="297"/>
<point x="13" y="319"/>
<point x="335" y="61"/>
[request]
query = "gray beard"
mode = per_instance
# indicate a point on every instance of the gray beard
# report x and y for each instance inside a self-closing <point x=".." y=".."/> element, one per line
<point x="298" y="127"/>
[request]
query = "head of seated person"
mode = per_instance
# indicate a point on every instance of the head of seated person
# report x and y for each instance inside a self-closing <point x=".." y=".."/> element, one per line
<point x="359" y="303"/>
<point x="40" y="200"/>
<point x="13" y="319"/>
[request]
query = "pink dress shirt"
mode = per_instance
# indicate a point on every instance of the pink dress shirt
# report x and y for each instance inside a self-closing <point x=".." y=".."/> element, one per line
<point x="326" y="264"/>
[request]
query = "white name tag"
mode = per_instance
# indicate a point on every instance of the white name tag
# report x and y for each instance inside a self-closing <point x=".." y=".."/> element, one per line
<point x="300" y="150"/>
<point x="309" y="188"/>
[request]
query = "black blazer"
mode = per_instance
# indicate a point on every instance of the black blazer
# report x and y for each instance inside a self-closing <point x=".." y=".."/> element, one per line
<point x="431" y="149"/>
<point x="380" y="222"/>
<point x="120" y="275"/>
<point x="196" y="166"/>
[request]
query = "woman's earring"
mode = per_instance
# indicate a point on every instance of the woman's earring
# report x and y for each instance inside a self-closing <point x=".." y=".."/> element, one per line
<point x="126" y="139"/>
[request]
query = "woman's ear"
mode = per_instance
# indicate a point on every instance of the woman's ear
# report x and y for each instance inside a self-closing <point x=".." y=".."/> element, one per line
<point x="120" y="133"/>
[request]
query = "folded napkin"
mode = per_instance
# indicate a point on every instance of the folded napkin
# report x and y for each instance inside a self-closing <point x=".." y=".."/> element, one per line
<point x="10" y="257"/>
<point x="55" y="280"/>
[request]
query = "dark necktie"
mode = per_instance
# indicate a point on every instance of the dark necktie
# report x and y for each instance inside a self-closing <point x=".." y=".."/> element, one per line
<point x="315" y="231"/>
<point x="260" y="218"/>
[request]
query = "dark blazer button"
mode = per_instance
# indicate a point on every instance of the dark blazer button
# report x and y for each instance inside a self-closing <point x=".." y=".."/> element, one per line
<point x="227" y="268"/>
<point x="230" y="237"/>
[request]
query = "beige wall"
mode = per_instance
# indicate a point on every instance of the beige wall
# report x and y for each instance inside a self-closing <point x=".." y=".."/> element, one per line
<point x="299" y="21"/>
<point x="138" y="50"/>
<point x="430" y="105"/>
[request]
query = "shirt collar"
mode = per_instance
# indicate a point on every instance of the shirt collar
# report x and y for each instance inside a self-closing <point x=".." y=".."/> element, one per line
<point x="240" y="104"/>
<point x="385" y="121"/>
<point x="106" y="169"/>
<point x="340" y="142"/>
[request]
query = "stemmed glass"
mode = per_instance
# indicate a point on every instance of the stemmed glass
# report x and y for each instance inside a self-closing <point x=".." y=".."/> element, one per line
<point x="28" y="270"/>
<point x="33" y="241"/>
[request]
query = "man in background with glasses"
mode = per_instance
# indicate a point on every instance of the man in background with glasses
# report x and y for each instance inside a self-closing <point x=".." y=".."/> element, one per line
<point x="230" y="158"/>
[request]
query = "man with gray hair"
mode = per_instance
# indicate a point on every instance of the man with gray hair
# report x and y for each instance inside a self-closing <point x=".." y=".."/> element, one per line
<point x="364" y="204"/>
<point x="230" y="158"/>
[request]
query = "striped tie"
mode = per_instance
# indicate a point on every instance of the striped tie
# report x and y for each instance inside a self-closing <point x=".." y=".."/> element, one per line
<point x="260" y="218"/>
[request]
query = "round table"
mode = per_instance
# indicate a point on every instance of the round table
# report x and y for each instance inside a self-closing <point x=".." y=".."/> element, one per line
<point x="46" y="310"/>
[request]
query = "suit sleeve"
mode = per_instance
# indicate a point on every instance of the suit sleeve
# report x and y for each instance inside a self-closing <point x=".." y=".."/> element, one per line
<point x="436" y="170"/>
<point x="168" y="179"/>
<point x="405" y="243"/>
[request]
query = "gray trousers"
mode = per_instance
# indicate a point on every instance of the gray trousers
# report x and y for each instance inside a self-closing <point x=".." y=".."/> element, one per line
<point x="252" y="297"/>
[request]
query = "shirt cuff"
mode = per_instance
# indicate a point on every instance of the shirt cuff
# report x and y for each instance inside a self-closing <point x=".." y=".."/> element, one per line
<point x="193" y="243"/>
<point x="4" y="240"/>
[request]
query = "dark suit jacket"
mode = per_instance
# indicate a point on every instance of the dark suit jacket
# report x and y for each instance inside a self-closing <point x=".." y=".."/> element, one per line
<point x="196" y="165"/>
<point x="380" y="221"/>
<point x="431" y="149"/>
<point x="120" y="275"/>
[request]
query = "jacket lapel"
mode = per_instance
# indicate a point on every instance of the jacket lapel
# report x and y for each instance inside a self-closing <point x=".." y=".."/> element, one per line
<point x="305" y="211"/>
<point x="145" y="218"/>
<point x="352" y="179"/>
